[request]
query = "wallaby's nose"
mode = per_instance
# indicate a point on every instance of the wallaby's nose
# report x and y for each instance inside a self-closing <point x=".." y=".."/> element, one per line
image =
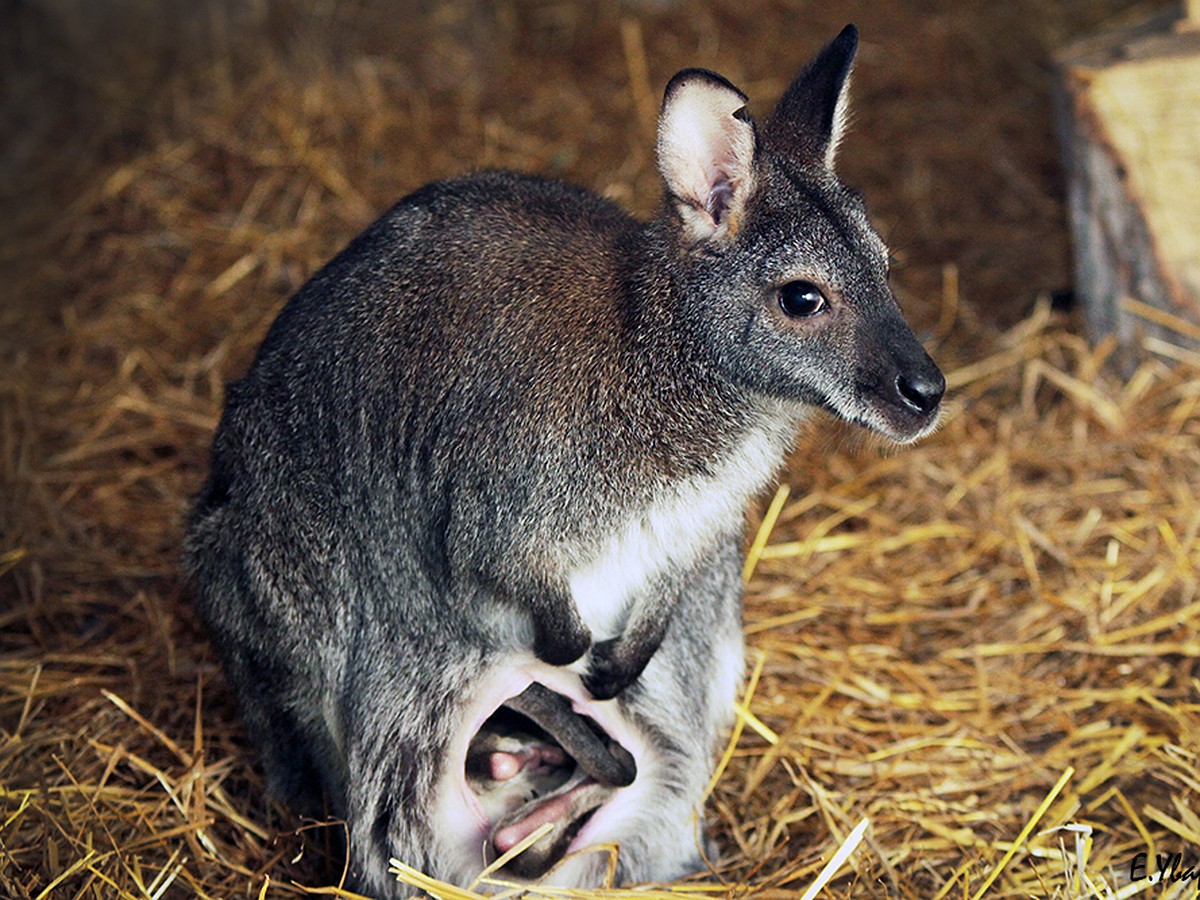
<point x="921" y="393"/>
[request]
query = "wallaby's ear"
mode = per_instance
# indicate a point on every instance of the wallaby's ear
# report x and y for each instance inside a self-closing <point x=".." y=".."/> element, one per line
<point x="706" y="144"/>
<point x="811" y="115"/>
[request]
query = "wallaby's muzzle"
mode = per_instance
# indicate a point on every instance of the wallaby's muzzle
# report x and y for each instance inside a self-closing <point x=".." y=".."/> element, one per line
<point x="901" y="387"/>
<point x="921" y="393"/>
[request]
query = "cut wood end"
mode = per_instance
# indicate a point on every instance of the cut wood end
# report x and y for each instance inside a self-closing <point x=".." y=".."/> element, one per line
<point x="1191" y="15"/>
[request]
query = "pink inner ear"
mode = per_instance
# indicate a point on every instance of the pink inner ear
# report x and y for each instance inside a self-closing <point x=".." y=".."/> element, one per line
<point x="723" y="161"/>
<point x="718" y="201"/>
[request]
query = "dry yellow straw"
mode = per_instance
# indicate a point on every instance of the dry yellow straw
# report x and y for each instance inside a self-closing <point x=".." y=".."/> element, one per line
<point x="849" y="845"/>
<point x="1161" y="317"/>
<point x="440" y="889"/>
<point x="1025" y="832"/>
<point x="952" y="880"/>
<point x="10" y="558"/>
<point x="516" y="850"/>
<point x="738" y="725"/>
<point x="764" y="531"/>
<point x="432" y="886"/>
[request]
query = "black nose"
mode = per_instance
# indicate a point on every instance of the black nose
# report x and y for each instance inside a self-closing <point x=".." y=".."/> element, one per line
<point x="921" y="393"/>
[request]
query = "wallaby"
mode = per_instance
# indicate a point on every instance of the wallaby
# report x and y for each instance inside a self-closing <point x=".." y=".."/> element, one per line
<point x="507" y="438"/>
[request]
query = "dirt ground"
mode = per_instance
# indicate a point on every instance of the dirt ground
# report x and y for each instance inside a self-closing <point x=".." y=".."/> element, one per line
<point x="172" y="172"/>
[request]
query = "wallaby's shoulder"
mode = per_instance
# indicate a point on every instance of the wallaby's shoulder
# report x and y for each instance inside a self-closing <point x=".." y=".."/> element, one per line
<point x="519" y="201"/>
<point x="515" y="239"/>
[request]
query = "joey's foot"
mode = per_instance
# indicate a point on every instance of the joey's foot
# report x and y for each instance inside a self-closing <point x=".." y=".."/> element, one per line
<point x="609" y="672"/>
<point x="502" y="765"/>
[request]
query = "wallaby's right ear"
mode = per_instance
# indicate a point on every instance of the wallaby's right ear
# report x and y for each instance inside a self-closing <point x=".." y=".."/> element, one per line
<point x="811" y="116"/>
<point x="706" y="145"/>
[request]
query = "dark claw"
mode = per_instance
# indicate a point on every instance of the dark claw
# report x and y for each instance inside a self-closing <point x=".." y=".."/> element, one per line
<point x="561" y="646"/>
<point x="607" y="674"/>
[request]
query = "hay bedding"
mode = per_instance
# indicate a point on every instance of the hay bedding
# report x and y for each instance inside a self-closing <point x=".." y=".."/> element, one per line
<point x="985" y="645"/>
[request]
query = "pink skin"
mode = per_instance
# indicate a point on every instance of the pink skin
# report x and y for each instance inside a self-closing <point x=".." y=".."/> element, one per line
<point x="504" y="766"/>
<point x="550" y="811"/>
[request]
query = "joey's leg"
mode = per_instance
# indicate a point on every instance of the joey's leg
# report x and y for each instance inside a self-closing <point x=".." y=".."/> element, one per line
<point x="608" y="764"/>
<point x="618" y="662"/>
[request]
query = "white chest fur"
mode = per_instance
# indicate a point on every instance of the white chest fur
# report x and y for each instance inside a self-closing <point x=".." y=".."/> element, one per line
<point x="674" y="531"/>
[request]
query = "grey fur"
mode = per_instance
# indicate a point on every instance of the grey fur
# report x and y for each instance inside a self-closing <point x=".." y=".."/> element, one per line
<point x="502" y="399"/>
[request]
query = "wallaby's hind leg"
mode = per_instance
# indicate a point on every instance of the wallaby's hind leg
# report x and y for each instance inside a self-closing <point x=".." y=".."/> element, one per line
<point x="289" y="751"/>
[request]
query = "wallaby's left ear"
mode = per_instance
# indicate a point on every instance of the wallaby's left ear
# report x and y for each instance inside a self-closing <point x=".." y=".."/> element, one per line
<point x="811" y="115"/>
<point x="706" y="145"/>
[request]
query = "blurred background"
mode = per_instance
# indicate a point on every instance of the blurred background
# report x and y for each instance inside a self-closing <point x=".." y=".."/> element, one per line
<point x="953" y="133"/>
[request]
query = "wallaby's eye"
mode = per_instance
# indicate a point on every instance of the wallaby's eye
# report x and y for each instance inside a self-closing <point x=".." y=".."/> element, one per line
<point x="801" y="299"/>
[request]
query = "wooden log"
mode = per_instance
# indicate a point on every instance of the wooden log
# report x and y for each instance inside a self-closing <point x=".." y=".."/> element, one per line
<point x="1128" y="109"/>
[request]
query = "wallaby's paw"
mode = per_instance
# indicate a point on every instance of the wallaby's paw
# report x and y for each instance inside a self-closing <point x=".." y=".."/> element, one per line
<point x="608" y="672"/>
<point x="561" y="647"/>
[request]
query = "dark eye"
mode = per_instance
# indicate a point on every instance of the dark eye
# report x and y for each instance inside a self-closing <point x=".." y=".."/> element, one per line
<point x="801" y="299"/>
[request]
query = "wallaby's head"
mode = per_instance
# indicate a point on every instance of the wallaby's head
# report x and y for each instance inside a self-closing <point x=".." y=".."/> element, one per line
<point x="786" y="278"/>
